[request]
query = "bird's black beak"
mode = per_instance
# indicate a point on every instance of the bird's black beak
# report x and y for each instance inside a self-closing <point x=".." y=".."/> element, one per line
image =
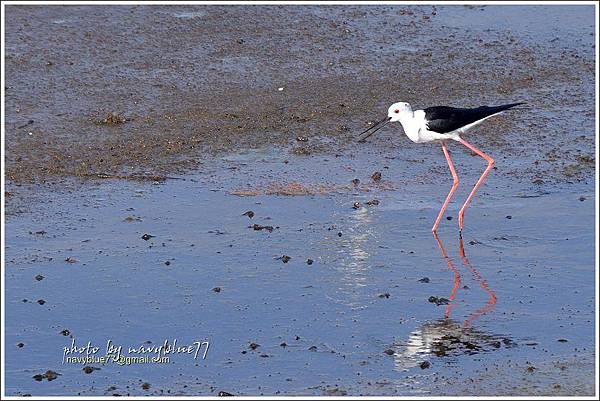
<point x="373" y="129"/>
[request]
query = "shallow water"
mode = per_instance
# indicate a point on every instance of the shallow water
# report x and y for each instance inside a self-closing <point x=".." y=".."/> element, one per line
<point x="360" y="298"/>
<point x="358" y="320"/>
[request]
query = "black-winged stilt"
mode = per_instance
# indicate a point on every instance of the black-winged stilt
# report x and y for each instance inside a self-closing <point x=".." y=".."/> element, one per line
<point x="441" y="123"/>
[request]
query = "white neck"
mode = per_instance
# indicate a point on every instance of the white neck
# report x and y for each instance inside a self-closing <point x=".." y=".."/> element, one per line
<point x="411" y="125"/>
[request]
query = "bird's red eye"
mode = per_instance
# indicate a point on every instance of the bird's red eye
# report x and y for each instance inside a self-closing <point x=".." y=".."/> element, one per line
<point x="396" y="111"/>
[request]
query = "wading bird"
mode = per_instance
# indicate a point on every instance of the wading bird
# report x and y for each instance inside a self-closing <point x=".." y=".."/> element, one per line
<point x="441" y="123"/>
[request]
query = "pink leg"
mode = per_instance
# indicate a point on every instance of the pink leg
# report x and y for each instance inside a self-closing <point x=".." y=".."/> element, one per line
<point x="490" y="161"/>
<point x="451" y="193"/>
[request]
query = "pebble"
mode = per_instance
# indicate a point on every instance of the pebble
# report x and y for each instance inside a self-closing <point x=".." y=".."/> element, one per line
<point x="258" y="227"/>
<point x="284" y="258"/>
<point x="89" y="369"/>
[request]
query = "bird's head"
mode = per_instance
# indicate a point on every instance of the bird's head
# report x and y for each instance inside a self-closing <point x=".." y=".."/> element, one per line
<point x="399" y="110"/>
<point x="396" y="112"/>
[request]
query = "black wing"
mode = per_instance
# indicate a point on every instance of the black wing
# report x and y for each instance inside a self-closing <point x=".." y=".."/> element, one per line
<point x="444" y="119"/>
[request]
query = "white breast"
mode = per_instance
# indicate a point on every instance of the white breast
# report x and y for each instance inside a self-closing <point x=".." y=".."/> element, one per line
<point x="416" y="130"/>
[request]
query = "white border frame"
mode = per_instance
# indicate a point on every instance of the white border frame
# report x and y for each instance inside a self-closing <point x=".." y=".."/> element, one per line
<point x="5" y="3"/>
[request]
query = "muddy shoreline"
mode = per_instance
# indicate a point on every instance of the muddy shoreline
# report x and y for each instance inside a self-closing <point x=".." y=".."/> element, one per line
<point x="97" y="90"/>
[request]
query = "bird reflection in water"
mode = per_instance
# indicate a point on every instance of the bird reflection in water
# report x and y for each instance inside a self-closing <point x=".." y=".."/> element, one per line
<point x="447" y="337"/>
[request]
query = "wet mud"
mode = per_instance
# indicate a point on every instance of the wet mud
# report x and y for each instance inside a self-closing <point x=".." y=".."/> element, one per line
<point x="185" y="172"/>
<point x="127" y="91"/>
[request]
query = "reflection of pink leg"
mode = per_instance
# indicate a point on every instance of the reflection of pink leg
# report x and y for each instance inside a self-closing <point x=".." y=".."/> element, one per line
<point x="491" y="303"/>
<point x="451" y="193"/>
<point x="456" y="283"/>
<point x="490" y="161"/>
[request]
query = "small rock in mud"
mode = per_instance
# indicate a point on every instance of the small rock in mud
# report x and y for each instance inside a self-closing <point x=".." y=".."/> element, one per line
<point x="302" y="139"/>
<point x="216" y="289"/>
<point x="309" y="261"/>
<point x="258" y="227"/>
<point x="89" y="369"/>
<point x="356" y="206"/>
<point x="70" y="260"/>
<point x="131" y="219"/>
<point x="439" y="301"/>
<point x="253" y="346"/>
<point x="41" y="301"/>
<point x="562" y="340"/>
<point x="376" y="176"/>
<point x="49" y="375"/>
<point x="340" y="234"/>
<point x="425" y="365"/>
<point x="530" y="369"/>
<point x="424" y="280"/>
<point x="111" y="119"/>
<point x="301" y="151"/>
<point x="384" y="295"/>
<point x="20" y="345"/>
<point x="283" y="345"/>
<point x="38" y="378"/>
<point x="448" y="218"/>
<point x="509" y="217"/>
<point x="65" y="332"/>
<point x="147" y="236"/>
<point x="373" y="202"/>
<point x="356" y="181"/>
<point x="224" y="394"/>
<point x="389" y="352"/>
<point x="284" y="258"/>
<point x="312" y="348"/>
<point x="582" y="198"/>
<point x="167" y="263"/>
<point x="537" y="181"/>
<point x="249" y="213"/>
<point x="145" y="386"/>
<point x="39" y="277"/>
<point x="585" y="159"/>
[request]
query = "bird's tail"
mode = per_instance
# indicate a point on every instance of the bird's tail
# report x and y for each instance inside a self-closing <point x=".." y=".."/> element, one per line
<point x="507" y="106"/>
